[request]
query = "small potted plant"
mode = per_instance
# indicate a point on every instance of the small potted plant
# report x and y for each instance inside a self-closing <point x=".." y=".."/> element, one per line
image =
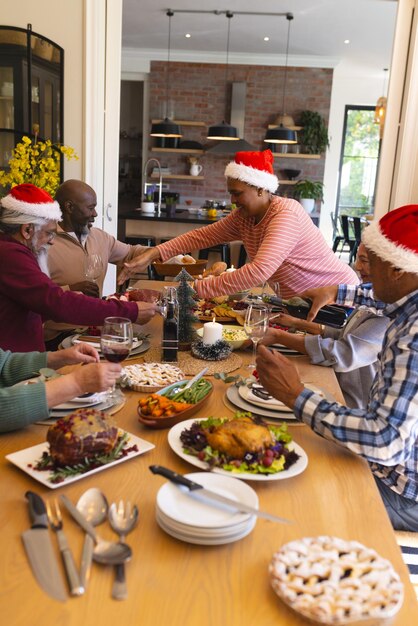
<point x="147" y="205"/>
<point x="314" y="134"/>
<point x="307" y="192"/>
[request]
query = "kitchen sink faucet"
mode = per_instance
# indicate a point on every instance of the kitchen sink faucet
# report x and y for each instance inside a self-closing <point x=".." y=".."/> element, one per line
<point x="159" y="184"/>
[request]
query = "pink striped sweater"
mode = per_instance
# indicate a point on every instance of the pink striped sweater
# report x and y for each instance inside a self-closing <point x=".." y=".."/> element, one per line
<point x="285" y="247"/>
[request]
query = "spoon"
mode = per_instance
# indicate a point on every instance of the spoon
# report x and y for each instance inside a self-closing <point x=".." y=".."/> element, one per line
<point x="105" y="552"/>
<point x="196" y="378"/>
<point x="191" y="381"/>
<point x="123" y="518"/>
<point x="93" y="505"/>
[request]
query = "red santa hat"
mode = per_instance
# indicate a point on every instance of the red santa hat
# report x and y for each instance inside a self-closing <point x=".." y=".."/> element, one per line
<point x="31" y="201"/>
<point x="394" y="238"/>
<point x="254" y="168"/>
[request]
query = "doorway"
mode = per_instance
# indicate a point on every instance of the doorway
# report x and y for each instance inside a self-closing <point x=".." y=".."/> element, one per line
<point x="130" y="144"/>
<point x="358" y="162"/>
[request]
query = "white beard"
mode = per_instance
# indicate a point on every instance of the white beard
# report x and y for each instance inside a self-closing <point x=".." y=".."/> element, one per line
<point x="42" y="258"/>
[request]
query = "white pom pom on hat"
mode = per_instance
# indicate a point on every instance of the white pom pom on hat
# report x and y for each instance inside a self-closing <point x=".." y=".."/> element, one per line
<point x="394" y="238"/>
<point x="254" y="168"/>
<point x="32" y="201"/>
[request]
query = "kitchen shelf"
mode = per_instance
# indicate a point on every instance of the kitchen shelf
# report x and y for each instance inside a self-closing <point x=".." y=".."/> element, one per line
<point x="178" y="150"/>
<point x="182" y="122"/>
<point x="284" y="155"/>
<point x="178" y="177"/>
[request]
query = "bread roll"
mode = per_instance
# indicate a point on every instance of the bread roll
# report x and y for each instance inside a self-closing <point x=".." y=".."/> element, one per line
<point x="187" y="259"/>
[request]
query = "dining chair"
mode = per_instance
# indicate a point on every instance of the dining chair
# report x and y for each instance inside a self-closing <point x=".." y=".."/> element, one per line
<point x="357" y="225"/>
<point x="223" y="249"/>
<point x="143" y="241"/>
<point x="242" y="256"/>
<point x="348" y="239"/>
<point x="336" y="233"/>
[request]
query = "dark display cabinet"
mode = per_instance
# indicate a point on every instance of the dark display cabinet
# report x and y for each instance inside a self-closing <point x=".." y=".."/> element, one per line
<point x="31" y="88"/>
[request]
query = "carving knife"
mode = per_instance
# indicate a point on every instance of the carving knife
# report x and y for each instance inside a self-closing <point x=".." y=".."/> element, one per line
<point x="38" y="546"/>
<point x="212" y="496"/>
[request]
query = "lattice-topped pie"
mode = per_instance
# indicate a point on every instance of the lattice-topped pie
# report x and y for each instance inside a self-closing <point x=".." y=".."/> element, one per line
<point x="150" y="376"/>
<point x="333" y="581"/>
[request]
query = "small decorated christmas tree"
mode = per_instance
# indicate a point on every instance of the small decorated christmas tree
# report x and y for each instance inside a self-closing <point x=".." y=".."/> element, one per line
<point x="187" y="304"/>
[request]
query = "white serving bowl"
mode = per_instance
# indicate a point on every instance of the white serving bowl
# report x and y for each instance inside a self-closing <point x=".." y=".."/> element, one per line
<point x="234" y="343"/>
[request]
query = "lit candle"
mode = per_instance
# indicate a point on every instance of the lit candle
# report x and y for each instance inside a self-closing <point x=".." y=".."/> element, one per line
<point x="231" y="269"/>
<point x="212" y="331"/>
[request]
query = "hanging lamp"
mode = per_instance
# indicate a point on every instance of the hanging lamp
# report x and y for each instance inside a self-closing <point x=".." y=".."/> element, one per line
<point x="381" y="104"/>
<point x="167" y="128"/>
<point x="282" y="134"/>
<point x="224" y="131"/>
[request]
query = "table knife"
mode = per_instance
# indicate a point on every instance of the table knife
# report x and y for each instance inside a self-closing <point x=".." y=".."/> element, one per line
<point x="39" y="550"/>
<point x="214" y="497"/>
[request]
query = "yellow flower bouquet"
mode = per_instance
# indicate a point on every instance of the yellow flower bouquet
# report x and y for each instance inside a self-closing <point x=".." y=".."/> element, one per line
<point x="36" y="162"/>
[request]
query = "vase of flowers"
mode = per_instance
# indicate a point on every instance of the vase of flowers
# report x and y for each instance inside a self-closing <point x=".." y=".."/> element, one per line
<point x="36" y="162"/>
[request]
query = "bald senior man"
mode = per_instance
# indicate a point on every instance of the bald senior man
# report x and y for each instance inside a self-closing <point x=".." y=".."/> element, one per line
<point x="76" y="239"/>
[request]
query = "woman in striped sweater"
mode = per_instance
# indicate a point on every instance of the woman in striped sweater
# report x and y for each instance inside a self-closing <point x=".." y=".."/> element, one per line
<point x="283" y="245"/>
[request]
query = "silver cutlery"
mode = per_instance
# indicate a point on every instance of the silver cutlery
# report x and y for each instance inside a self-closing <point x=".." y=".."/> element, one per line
<point x="93" y="505"/>
<point x="195" y="378"/>
<point x="212" y="497"/>
<point x="123" y="518"/>
<point x="55" y="521"/>
<point x="39" y="550"/>
<point x="105" y="552"/>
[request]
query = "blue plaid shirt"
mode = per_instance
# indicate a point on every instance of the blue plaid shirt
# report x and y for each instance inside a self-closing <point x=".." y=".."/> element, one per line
<point x="386" y="433"/>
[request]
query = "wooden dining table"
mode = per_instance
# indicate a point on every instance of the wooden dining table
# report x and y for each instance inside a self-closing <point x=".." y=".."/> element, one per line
<point x="174" y="583"/>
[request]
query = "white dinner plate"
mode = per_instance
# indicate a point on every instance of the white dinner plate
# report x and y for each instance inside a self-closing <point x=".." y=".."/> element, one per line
<point x="188" y="508"/>
<point x="177" y="447"/>
<point x="233" y="396"/>
<point x="81" y="403"/>
<point x="205" y="541"/>
<point x="285" y="350"/>
<point x="272" y="404"/>
<point x="142" y="347"/>
<point x="26" y="459"/>
<point x="198" y="531"/>
<point x="96" y="344"/>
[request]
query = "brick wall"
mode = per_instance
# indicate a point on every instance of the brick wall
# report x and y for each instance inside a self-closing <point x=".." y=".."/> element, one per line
<point x="198" y="92"/>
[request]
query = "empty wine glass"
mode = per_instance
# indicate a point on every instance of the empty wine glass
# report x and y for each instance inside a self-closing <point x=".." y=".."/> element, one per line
<point x="255" y="326"/>
<point x="93" y="266"/>
<point x="116" y="342"/>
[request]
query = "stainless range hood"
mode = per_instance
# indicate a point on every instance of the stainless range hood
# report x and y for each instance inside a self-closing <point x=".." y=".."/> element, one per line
<point x="239" y="91"/>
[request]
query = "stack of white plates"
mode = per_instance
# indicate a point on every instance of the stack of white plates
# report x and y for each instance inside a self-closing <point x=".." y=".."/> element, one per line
<point x="192" y="518"/>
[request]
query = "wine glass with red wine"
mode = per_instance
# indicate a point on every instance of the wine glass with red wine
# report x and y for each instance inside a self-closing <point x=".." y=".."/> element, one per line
<point x="116" y="341"/>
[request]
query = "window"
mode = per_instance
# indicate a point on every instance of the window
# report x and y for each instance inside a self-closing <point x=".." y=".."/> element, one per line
<point x="359" y="162"/>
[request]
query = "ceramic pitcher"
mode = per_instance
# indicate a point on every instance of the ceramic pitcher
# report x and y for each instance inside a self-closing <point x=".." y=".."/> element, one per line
<point x="195" y="169"/>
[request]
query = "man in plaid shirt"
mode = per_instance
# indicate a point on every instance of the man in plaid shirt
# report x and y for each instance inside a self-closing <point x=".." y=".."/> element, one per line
<point x="386" y="432"/>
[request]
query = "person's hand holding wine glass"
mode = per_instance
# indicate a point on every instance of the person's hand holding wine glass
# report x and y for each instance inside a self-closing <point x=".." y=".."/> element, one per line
<point x="116" y="340"/>
<point x="255" y="326"/>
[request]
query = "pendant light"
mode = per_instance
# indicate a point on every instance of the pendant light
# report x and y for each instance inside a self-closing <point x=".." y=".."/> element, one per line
<point x="167" y="128"/>
<point x="282" y="134"/>
<point x="224" y="131"/>
<point x="380" y="110"/>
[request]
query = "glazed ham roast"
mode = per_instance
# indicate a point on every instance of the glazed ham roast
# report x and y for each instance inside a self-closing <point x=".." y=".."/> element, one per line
<point x="81" y="435"/>
<point x="237" y="437"/>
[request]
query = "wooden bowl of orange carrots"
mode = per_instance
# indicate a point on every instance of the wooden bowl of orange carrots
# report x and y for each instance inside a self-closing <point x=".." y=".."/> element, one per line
<point x="163" y="410"/>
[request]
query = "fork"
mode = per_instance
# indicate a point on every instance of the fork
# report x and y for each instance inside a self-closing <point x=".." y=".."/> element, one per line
<point x="55" y="521"/>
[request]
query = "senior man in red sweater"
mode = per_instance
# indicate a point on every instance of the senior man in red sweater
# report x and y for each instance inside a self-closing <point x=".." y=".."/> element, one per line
<point x="28" y="223"/>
